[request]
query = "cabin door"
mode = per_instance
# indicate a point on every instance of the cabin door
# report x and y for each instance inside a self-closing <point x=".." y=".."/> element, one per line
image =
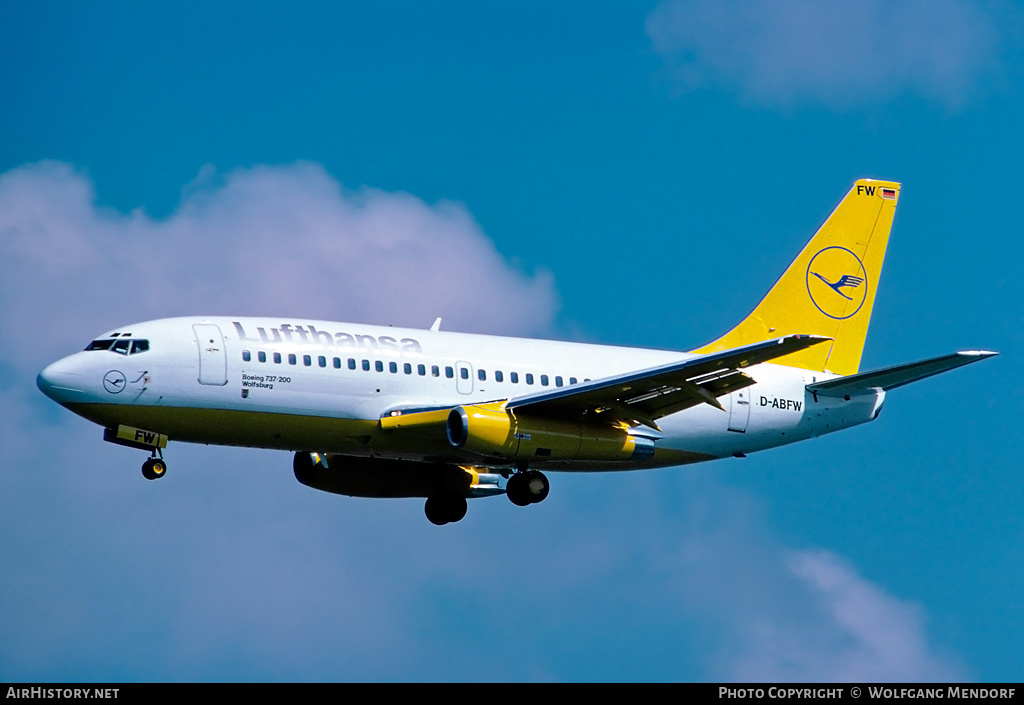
<point x="213" y="358"/>
<point x="739" y="410"/>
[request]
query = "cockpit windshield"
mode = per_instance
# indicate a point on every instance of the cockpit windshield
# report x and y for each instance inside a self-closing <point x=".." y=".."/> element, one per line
<point x="122" y="346"/>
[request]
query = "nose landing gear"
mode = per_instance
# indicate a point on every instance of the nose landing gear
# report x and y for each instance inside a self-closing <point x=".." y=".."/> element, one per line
<point x="155" y="467"/>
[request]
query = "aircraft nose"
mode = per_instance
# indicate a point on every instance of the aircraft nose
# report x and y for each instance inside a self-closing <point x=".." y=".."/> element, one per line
<point x="61" y="381"/>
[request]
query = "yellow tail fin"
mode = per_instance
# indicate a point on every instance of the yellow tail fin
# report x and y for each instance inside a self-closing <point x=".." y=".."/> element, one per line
<point x="830" y="288"/>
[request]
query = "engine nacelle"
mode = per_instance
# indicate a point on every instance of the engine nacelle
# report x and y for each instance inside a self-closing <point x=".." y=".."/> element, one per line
<point x="381" y="478"/>
<point x="493" y="431"/>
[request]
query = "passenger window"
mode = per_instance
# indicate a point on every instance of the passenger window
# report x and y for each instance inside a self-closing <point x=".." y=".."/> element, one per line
<point x="261" y="356"/>
<point x="322" y="361"/>
<point x="529" y="378"/>
<point x="351" y="363"/>
<point x="407" y="368"/>
<point x="292" y="359"/>
<point x="544" y="380"/>
<point x="393" y="366"/>
<point x="337" y="363"/>
<point x="464" y="373"/>
<point x="498" y="377"/>
<point x="277" y="358"/>
<point x="246" y="356"/>
<point x="572" y="380"/>
<point x="141" y="346"/>
<point x="435" y="371"/>
<point x="514" y="377"/>
<point x="121" y="346"/>
<point x="481" y="375"/>
<point x="558" y="381"/>
<point x="449" y="372"/>
<point x="422" y="370"/>
<point x="378" y="365"/>
<point x="307" y="360"/>
<point x="366" y="365"/>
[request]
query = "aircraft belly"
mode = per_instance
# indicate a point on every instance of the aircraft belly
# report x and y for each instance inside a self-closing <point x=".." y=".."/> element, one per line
<point x="234" y="427"/>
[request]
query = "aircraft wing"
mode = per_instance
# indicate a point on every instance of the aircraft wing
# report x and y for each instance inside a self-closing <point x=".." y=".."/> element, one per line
<point x="647" y="395"/>
<point x="897" y="376"/>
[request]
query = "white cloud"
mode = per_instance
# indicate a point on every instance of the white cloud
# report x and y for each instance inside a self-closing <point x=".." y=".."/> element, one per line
<point x="785" y="52"/>
<point x="793" y="615"/>
<point x="276" y="241"/>
<point x="879" y="637"/>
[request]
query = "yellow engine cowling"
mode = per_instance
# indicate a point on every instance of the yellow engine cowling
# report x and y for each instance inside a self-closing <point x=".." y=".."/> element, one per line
<point x="493" y="431"/>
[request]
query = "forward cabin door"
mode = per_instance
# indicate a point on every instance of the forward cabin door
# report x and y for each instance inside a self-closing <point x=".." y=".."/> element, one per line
<point x="213" y="358"/>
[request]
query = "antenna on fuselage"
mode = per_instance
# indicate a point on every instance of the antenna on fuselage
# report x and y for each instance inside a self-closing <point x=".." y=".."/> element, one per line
<point x="437" y="324"/>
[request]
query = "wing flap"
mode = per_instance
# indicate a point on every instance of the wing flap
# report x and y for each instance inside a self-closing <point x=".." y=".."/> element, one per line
<point x="896" y="376"/>
<point x="647" y="395"/>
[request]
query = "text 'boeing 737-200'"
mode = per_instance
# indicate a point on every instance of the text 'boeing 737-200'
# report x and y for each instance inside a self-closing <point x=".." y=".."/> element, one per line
<point x="385" y="412"/>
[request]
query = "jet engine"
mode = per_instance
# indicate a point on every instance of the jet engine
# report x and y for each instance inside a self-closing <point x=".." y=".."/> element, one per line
<point x="495" y="432"/>
<point x="380" y="478"/>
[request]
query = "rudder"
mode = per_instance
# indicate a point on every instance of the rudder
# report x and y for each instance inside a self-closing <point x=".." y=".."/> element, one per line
<point x="829" y="289"/>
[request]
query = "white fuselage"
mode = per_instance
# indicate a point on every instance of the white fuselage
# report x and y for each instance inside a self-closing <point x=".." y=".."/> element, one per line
<point x="322" y="386"/>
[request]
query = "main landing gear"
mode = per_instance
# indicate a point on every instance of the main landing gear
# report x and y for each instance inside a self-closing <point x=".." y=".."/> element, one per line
<point x="154" y="468"/>
<point x="527" y="487"/>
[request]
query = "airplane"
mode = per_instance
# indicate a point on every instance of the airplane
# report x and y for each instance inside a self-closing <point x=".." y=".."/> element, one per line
<point x="372" y="411"/>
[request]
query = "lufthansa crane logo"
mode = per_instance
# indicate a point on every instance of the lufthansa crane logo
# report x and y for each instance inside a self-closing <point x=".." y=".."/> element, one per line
<point x="837" y="282"/>
<point x="114" y="381"/>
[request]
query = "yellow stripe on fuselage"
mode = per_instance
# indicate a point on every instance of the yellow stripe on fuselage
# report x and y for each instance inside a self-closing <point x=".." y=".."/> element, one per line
<point x="259" y="429"/>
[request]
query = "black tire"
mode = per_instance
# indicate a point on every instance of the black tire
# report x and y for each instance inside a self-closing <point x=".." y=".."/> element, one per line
<point x="457" y="507"/>
<point x="517" y="491"/>
<point x="305" y="471"/>
<point x="435" y="511"/>
<point x="154" y="469"/>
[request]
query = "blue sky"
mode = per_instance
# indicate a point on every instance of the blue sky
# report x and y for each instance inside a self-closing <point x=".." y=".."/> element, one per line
<point x="630" y="173"/>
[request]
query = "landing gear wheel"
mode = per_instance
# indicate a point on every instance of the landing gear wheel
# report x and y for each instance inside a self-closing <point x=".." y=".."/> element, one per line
<point x="457" y="507"/>
<point x="434" y="510"/>
<point x="527" y="487"/>
<point x="154" y="469"/>
<point x="444" y="509"/>
<point x="517" y="491"/>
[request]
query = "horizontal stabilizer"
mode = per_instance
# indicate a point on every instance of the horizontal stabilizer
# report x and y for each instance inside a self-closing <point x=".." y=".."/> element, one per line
<point x="893" y="377"/>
